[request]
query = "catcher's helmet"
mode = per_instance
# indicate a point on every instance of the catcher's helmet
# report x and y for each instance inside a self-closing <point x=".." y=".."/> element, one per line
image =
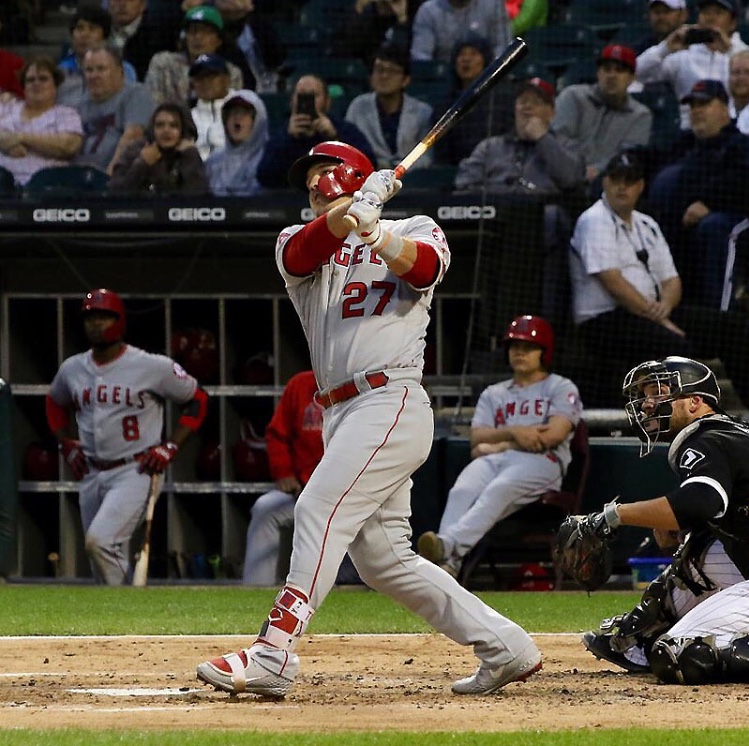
<point x="346" y="178"/>
<point x="102" y="299"/>
<point x="674" y="378"/>
<point x="536" y="330"/>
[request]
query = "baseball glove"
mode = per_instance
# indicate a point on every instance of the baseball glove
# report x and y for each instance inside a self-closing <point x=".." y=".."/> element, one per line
<point x="583" y="550"/>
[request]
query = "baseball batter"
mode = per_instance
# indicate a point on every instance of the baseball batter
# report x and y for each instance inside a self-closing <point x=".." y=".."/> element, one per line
<point x="363" y="297"/>
<point x="117" y="393"/>
<point x="520" y="445"/>
<point x="692" y="624"/>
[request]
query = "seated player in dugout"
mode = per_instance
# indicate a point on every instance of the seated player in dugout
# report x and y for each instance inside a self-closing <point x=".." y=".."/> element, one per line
<point x="117" y="393"/>
<point x="520" y="445"/>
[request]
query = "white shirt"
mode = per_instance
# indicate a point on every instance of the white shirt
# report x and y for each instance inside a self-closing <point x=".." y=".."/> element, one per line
<point x="602" y="241"/>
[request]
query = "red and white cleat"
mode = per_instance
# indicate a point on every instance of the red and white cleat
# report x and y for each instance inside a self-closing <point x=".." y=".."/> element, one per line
<point x="260" y="669"/>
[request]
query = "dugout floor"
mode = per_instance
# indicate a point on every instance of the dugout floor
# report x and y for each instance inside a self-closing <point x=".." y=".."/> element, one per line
<point x="356" y="683"/>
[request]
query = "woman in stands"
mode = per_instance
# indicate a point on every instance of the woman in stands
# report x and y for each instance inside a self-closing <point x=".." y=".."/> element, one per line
<point x="37" y="133"/>
<point x="165" y="162"/>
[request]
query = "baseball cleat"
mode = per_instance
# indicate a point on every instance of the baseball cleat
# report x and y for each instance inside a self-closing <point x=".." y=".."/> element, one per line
<point x="251" y="670"/>
<point x="487" y="680"/>
<point x="600" y="646"/>
<point x="430" y="547"/>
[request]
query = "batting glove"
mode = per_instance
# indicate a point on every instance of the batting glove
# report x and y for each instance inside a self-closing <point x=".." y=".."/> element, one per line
<point x="366" y="210"/>
<point x="157" y="458"/>
<point x="73" y="454"/>
<point x="382" y="184"/>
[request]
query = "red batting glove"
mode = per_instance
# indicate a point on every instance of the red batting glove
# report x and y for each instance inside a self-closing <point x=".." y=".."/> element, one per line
<point x="73" y="455"/>
<point x="157" y="458"/>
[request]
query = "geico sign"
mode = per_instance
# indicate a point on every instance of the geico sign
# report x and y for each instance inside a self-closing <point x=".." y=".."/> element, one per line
<point x="66" y="215"/>
<point x="466" y="212"/>
<point x="201" y="214"/>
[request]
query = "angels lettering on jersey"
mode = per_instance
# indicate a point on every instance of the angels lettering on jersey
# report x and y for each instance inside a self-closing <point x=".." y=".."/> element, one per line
<point x="109" y="394"/>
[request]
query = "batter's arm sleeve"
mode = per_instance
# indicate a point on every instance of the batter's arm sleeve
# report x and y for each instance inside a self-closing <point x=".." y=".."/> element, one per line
<point x="194" y="411"/>
<point x="58" y="417"/>
<point x="313" y="245"/>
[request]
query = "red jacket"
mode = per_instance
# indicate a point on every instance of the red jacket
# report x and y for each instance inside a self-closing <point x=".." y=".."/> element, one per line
<point x="10" y="67"/>
<point x="294" y="434"/>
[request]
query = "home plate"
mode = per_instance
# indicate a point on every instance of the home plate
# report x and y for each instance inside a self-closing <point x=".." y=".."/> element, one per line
<point x="139" y="692"/>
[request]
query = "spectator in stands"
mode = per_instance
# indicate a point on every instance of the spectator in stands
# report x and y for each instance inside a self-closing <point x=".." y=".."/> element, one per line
<point x="392" y="121"/>
<point x="232" y="171"/>
<point x="627" y="293"/>
<point x="209" y="78"/>
<point x="168" y="74"/>
<point x="136" y="36"/>
<point x="165" y="161"/>
<point x="704" y="193"/>
<point x="89" y="27"/>
<point x="256" y="41"/>
<point x="370" y="23"/>
<point x="114" y="113"/>
<point x="294" y="441"/>
<point x="37" y="133"/>
<point x="439" y="24"/>
<point x="681" y="61"/>
<point x="664" y="16"/>
<point x="10" y="67"/>
<point x="520" y="445"/>
<point x="490" y="116"/>
<point x="525" y="14"/>
<point x="304" y="130"/>
<point x="602" y="117"/>
<point x="738" y="87"/>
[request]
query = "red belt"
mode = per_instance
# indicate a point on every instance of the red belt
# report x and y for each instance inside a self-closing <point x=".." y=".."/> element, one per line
<point x="107" y="465"/>
<point x="349" y="390"/>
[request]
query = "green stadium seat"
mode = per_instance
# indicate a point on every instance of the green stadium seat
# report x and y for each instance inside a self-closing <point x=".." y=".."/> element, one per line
<point x="580" y="71"/>
<point x="532" y="69"/>
<point x="605" y="18"/>
<point x="439" y="177"/>
<point x="67" y="181"/>
<point x="429" y="70"/>
<point x="630" y="34"/>
<point x="278" y="107"/>
<point x="557" y="47"/>
<point x="348" y="72"/>
<point x="325" y="14"/>
<point x="666" y="121"/>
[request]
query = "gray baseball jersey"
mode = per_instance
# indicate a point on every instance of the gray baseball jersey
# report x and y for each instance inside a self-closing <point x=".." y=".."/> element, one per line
<point x="119" y="406"/>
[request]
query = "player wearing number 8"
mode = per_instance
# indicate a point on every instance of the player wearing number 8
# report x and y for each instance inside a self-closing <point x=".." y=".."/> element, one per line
<point x="117" y="394"/>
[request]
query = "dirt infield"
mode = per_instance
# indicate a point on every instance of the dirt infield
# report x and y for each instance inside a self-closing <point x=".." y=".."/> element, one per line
<point x="356" y="683"/>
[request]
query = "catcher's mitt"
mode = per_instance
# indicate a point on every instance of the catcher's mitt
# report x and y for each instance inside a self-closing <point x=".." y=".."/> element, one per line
<point x="583" y="550"/>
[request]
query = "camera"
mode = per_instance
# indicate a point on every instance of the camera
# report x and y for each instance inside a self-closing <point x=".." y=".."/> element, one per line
<point x="699" y="36"/>
<point x="305" y="104"/>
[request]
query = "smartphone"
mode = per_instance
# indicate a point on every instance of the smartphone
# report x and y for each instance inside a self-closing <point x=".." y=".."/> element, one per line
<point x="305" y="104"/>
<point x="699" y="36"/>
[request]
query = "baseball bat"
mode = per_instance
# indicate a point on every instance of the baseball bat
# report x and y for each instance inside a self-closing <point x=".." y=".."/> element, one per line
<point x="140" y="572"/>
<point x="488" y="78"/>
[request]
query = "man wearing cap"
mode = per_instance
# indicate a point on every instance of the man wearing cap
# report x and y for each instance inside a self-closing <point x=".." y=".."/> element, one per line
<point x="136" y="36"/>
<point x="602" y="117"/>
<point x="233" y="169"/>
<point x="738" y="87"/>
<point x="627" y="293"/>
<point x="664" y="16"/>
<point x="304" y="130"/>
<point x="168" y="73"/>
<point x="209" y="79"/>
<point x="683" y="58"/>
<point x="703" y="194"/>
<point x="114" y="113"/>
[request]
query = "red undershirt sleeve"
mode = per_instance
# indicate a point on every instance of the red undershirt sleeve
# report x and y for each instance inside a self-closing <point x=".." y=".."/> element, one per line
<point x="426" y="267"/>
<point x="310" y="247"/>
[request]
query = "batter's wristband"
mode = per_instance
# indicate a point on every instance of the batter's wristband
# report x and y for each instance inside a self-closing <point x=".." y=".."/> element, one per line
<point x="388" y="246"/>
<point x="611" y="515"/>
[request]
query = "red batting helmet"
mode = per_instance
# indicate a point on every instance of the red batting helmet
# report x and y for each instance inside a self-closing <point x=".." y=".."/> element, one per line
<point x="102" y="299"/>
<point x="536" y="330"/>
<point x="346" y="178"/>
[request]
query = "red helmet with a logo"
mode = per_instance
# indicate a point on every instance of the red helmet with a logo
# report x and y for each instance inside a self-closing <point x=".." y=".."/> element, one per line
<point x="350" y="174"/>
<point x="536" y="330"/>
<point x="102" y="299"/>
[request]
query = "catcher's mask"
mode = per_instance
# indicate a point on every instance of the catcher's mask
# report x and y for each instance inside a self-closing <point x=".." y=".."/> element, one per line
<point x="659" y="383"/>
<point x="348" y="176"/>
<point x="102" y="299"/>
<point x="536" y="330"/>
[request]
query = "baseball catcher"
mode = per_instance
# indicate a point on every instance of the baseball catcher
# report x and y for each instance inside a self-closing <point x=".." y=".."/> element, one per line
<point x="692" y="624"/>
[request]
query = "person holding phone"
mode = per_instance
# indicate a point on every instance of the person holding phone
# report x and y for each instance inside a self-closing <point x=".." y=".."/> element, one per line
<point x="310" y="123"/>
<point x="165" y="161"/>
<point x="694" y="51"/>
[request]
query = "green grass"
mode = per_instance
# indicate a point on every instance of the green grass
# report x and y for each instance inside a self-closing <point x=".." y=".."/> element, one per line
<point x="91" y="610"/>
<point x="583" y="737"/>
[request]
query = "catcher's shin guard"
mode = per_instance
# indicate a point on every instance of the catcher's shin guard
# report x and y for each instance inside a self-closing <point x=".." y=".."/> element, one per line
<point x="287" y="620"/>
<point x="649" y="619"/>
<point x="686" y="660"/>
<point x="736" y="659"/>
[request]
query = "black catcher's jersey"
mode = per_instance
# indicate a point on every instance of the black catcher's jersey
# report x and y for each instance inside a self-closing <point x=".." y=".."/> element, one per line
<point x="714" y="452"/>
